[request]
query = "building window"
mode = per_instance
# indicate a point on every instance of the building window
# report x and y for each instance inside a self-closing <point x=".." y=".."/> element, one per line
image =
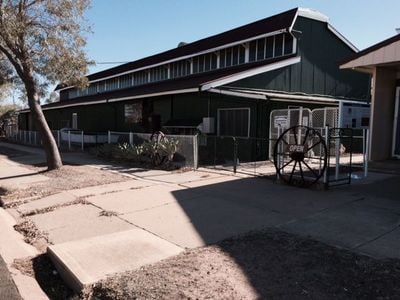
<point x="253" y="50"/>
<point x="234" y="122"/>
<point x="214" y="58"/>
<point x="222" y="58"/>
<point x="101" y="86"/>
<point x="133" y="113"/>
<point x="201" y="63"/>
<point x="260" y="49"/>
<point x="140" y="77"/>
<point x="288" y="43"/>
<point x="72" y="93"/>
<point x="278" y="45"/>
<point x="207" y="62"/>
<point x="242" y="54"/>
<point x="125" y="81"/>
<point x="228" y="58"/>
<point x="92" y="89"/>
<point x="269" y="49"/>
<point x="112" y="84"/>
<point x="195" y="65"/>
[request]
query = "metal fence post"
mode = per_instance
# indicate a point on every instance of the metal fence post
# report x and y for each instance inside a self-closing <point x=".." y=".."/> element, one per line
<point x="328" y="155"/>
<point x="234" y="155"/>
<point x="366" y="155"/>
<point x="69" y="140"/>
<point x="337" y="154"/>
<point x="35" y="137"/>
<point x="82" y="140"/>
<point x="58" y="138"/>
<point x="278" y="157"/>
<point x="109" y="137"/>
<point x="131" y="138"/>
<point x="195" y="152"/>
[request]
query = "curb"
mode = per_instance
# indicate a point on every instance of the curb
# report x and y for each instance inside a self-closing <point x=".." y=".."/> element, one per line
<point x="8" y="289"/>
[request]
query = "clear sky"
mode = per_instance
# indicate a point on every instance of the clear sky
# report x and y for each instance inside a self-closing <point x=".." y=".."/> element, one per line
<point x="126" y="30"/>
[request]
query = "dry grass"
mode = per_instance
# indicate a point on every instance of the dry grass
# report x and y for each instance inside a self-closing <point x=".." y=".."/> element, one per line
<point x="66" y="178"/>
<point x="32" y="234"/>
<point x="108" y="213"/>
<point x="261" y="265"/>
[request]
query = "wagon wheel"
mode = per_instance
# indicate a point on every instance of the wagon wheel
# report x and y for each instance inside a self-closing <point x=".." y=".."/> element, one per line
<point x="158" y="137"/>
<point x="300" y="156"/>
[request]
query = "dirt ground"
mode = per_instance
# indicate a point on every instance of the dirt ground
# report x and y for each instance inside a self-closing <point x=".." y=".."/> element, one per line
<point x="266" y="265"/>
<point x="43" y="270"/>
<point x="67" y="178"/>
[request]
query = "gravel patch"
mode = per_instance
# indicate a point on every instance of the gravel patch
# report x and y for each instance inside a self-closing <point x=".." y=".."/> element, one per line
<point x="264" y="265"/>
<point x="32" y="235"/>
<point x="67" y="178"/>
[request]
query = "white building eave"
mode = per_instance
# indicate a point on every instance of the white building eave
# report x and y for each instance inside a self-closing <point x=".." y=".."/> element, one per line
<point x="248" y="73"/>
<point x="282" y="96"/>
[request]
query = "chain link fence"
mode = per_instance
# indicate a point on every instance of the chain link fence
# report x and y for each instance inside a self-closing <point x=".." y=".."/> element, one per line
<point x="282" y="119"/>
<point x="77" y="140"/>
<point x="235" y="154"/>
<point x="185" y="156"/>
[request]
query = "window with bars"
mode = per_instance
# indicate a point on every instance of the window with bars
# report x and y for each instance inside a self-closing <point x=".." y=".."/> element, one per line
<point x="125" y="81"/>
<point x="112" y="84"/>
<point x="180" y="68"/>
<point x="140" y="77"/>
<point x="92" y="89"/>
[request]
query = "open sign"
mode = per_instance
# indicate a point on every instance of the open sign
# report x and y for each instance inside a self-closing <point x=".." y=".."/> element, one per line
<point x="297" y="148"/>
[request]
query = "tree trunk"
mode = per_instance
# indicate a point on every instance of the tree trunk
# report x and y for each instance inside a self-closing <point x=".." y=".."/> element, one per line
<point x="53" y="157"/>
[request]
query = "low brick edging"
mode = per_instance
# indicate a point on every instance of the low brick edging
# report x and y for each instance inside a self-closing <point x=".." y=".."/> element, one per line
<point x="8" y="290"/>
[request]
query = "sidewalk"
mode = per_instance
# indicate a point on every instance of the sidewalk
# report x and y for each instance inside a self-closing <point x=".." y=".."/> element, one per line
<point x="193" y="209"/>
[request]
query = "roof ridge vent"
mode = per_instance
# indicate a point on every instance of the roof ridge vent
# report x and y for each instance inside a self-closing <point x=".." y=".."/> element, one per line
<point x="181" y="44"/>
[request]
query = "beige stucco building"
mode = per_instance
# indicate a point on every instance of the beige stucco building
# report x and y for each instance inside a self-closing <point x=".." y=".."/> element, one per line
<point x="382" y="61"/>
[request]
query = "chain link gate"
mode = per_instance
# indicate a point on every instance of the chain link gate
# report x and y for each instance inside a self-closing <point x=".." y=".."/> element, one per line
<point x="282" y="119"/>
<point x="302" y="156"/>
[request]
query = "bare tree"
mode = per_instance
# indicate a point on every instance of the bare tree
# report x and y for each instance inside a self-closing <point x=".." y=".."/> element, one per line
<point x="41" y="42"/>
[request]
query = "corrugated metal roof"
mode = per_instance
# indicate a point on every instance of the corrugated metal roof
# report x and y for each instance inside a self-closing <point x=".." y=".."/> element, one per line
<point x="187" y="82"/>
<point x="277" y="22"/>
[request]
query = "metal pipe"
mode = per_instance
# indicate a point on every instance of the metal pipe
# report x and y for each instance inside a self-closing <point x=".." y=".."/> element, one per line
<point x="82" y="140"/>
<point x="366" y="152"/>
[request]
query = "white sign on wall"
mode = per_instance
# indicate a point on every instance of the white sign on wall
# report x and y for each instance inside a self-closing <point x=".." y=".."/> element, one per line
<point x="280" y="121"/>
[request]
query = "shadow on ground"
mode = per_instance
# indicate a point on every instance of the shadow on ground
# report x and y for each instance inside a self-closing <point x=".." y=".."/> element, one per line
<point x="273" y="262"/>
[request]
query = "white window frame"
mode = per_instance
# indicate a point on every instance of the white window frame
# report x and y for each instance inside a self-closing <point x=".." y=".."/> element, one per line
<point x="233" y="108"/>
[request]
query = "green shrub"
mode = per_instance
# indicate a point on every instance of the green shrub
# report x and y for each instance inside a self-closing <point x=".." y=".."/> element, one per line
<point x="161" y="152"/>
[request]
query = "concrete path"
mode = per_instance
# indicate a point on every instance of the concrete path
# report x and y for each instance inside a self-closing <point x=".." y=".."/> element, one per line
<point x="193" y="209"/>
<point x="90" y="260"/>
<point x="12" y="246"/>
